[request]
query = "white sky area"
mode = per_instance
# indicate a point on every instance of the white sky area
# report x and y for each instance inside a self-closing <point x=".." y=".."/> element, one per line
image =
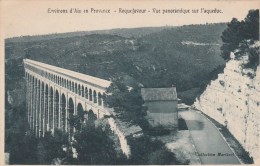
<point x="20" y="18"/>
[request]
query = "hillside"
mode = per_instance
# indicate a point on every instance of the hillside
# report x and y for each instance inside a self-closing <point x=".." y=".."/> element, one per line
<point x="124" y="32"/>
<point x="182" y="56"/>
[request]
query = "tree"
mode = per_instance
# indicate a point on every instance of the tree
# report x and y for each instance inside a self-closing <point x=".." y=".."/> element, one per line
<point x="126" y="101"/>
<point x="231" y="38"/>
<point x="93" y="146"/>
<point x="141" y="148"/>
<point x="19" y="141"/>
<point x="144" y="150"/>
<point x="163" y="157"/>
<point x="240" y="35"/>
<point x="24" y="149"/>
<point x="51" y="147"/>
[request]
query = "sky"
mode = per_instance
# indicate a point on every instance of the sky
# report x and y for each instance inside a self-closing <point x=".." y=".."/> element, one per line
<point x="20" y="18"/>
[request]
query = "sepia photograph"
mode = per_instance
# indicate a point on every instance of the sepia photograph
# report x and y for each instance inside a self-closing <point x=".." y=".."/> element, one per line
<point x="125" y="82"/>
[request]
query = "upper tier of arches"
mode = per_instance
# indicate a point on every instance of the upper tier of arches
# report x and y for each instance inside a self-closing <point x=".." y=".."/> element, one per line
<point x="81" y="86"/>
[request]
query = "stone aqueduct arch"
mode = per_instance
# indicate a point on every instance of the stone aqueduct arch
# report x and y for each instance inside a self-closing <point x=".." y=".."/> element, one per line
<point x="54" y="94"/>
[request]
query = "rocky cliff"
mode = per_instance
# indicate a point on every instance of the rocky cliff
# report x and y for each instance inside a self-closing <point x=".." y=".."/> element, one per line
<point x="233" y="99"/>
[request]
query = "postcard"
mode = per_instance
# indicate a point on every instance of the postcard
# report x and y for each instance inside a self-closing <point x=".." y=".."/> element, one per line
<point x="125" y="82"/>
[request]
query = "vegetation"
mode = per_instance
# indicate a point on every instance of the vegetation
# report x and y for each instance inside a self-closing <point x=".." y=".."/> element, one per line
<point x="125" y="32"/>
<point x="50" y="147"/>
<point x="17" y="140"/>
<point x="160" y="55"/>
<point x="23" y="146"/>
<point x="93" y="146"/>
<point x="126" y="101"/>
<point x="148" y="151"/>
<point x="240" y="36"/>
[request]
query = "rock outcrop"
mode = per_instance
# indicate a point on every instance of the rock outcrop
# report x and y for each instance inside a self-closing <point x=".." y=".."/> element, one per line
<point x="233" y="99"/>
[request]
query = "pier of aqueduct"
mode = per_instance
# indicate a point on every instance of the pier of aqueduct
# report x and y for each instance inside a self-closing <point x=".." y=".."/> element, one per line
<point x="55" y="94"/>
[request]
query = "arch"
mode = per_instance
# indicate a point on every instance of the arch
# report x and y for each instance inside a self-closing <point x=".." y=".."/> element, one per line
<point x="70" y="116"/>
<point x="38" y="115"/>
<point x="80" y="110"/>
<point x="76" y="88"/>
<point x="51" y="109"/>
<point x="63" y="112"/>
<point x="91" y="118"/>
<point x="79" y="89"/>
<point x="86" y="93"/>
<point x="33" y="79"/>
<point x="56" y="110"/>
<point x="99" y="98"/>
<point x="80" y="113"/>
<point x="104" y="100"/>
<point x="37" y="106"/>
<point x="30" y="78"/>
<point x="72" y="87"/>
<point x="62" y="80"/>
<point x="32" y="104"/>
<point x="82" y="91"/>
<point x="42" y="110"/>
<point x="90" y="94"/>
<point x="95" y="96"/>
<point x="46" y="112"/>
<point x="28" y="97"/>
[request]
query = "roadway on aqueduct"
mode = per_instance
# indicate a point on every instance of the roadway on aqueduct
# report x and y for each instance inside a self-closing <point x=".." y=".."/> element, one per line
<point x="210" y="145"/>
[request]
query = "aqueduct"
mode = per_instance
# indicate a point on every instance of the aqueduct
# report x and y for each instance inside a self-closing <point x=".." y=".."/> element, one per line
<point x="55" y="94"/>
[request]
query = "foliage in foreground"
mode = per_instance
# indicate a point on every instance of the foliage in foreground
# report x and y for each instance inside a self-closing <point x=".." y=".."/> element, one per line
<point x="94" y="146"/>
<point x="90" y="144"/>
<point x="148" y="151"/>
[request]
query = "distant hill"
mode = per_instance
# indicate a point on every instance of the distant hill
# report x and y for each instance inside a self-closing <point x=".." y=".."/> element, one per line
<point x="160" y="57"/>
<point x="124" y="32"/>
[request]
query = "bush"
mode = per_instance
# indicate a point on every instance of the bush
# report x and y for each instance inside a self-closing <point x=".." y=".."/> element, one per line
<point x="145" y="150"/>
<point x="158" y="131"/>
<point x="162" y="157"/>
